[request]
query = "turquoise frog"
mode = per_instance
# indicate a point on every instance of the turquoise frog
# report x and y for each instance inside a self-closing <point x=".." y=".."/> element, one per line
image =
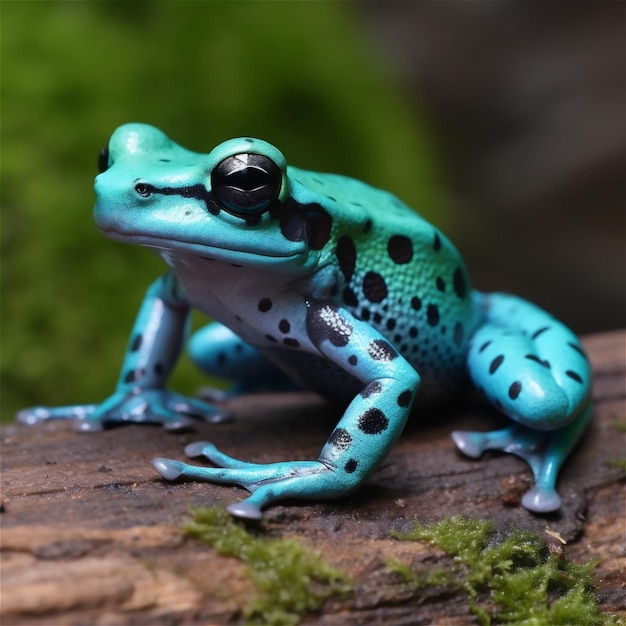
<point x="339" y="286"/>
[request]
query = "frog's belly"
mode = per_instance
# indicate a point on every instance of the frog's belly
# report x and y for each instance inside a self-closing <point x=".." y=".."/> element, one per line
<point x="329" y="380"/>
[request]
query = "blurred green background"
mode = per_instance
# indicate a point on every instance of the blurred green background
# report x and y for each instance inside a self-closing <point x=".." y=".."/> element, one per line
<point x="502" y="122"/>
<point x="298" y="74"/>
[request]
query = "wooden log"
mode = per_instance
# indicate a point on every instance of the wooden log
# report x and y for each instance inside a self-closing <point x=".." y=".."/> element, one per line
<point x="90" y="533"/>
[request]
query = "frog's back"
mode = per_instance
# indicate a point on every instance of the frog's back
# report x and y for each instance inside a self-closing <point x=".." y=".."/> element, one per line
<point x="399" y="274"/>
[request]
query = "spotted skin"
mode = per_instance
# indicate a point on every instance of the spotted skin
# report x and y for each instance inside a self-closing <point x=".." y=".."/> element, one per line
<point x="335" y="285"/>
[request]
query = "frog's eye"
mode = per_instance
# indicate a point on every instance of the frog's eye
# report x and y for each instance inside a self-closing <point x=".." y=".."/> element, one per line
<point x="103" y="159"/>
<point x="143" y="190"/>
<point x="246" y="184"/>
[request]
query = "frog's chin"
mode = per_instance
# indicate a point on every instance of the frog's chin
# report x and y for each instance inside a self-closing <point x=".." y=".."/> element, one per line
<point x="175" y="248"/>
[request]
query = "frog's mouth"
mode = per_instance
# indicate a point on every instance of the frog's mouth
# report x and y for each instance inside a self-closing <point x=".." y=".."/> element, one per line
<point x="179" y="247"/>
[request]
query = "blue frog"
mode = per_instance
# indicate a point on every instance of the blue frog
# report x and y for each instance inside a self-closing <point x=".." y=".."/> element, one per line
<point x="339" y="286"/>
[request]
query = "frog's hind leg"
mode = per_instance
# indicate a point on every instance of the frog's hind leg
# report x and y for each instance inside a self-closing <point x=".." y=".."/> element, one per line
<point x="532" y="368"/>
<point x="219" y="352"/>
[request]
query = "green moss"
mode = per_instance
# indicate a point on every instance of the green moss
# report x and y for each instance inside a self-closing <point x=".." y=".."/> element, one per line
<point x="290" y="579"/>
<point x="512" y="579"/>
<point x="619" y="463"/>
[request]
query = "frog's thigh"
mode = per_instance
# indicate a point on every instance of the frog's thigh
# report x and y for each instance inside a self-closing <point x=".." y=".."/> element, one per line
<point x="218" y="351"/>
<point x="540" y="379"/>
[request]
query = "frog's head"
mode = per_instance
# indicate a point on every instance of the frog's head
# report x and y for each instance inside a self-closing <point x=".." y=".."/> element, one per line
<point x="235" y="204"/>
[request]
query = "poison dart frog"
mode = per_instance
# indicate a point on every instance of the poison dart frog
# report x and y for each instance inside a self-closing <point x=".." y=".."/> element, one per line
<point x="335" y="284"/>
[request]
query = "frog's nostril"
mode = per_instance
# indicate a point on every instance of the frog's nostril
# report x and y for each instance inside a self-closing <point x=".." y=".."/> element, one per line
<point x="103" y="159"/>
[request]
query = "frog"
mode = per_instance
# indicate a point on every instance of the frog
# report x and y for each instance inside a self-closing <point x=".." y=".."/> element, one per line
<point x="336" y="286"/>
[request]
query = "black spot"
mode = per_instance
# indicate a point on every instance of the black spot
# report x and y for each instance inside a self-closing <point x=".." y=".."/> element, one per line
<point x="381" y="350"/>
<point x="458" y="281"/>
<point x="574" y="376"/>
<point x="137" y="343"/>
<point x="413" y="332"/>
<point x="397" y="338"/>
<point x="158" y="369"/>
<point x="378" y="318"/>
<point x="374" y="287"/>
<point x="365" y="314"/>
<point x="265" y="304"/>
<point x="371" y="388"/>
<point x="373" y="422"/>
<point x="515" y="389"/>
<point x="303" y="221"/>
<point x="292" y="227"/>
<point x="391" y="323"/>
<point x="416" y="303"/>
<point x="536" y="359"/>
<point x="134" y="375"/>
<point x="325" y="322"/>
<point x="441" y="285"/>
<point x="340" y="439"/>
<point x="495" y="364"/>
<point x="539" y="332"/>
<point x="432" y="314"/>
<point x="458" y="333"/>
<point x="400" y="249"/>
<point x="484" y="346"/>
<point x="404" y="399"/>
<point x="270" y="338"/>
<point x="368" y="225"/>
<point x="578" y="349"/>
<point x="284" y="326"/>
<point x="436" y="243"/>
<point x="351" y="466"/>
<point x="292" y="343"/>
<point x="352" y="359"/>
<point x="346" y="256"/>
<point x="350" y="298"/>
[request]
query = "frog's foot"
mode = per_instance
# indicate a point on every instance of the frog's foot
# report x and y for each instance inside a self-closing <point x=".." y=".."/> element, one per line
<point x="158" y="406"/>
<point x="529" y="445"/>
<point x="268" y="483"/>
<point x="544" y="451"/>
<point x="35" y="414"/>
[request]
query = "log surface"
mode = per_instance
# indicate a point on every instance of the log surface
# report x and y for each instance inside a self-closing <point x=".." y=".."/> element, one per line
<point x="90" y="533"/>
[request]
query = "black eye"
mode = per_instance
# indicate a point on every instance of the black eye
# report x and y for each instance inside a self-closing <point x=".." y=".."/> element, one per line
<point x="103" y="159"/>
<point x="246" y="184"/>
<point x="143" y="190"/>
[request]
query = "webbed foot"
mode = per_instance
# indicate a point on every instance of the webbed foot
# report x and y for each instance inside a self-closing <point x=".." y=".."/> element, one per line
<point x="544" y="451"/>
<point x="268" y="483"/>
<point x="159" y="406"/>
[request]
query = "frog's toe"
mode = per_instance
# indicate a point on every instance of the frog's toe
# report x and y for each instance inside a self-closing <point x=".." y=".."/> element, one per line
<point x="541" y="500"/>
<point x="245" y="510"/>
<point x="88" y="426"/>
<point x="169" y="469"/>
<point x="179" y="423"/>
<point x="471" y="444"/>
<point x="197" y="448"/>
<point x="33" y="415"/>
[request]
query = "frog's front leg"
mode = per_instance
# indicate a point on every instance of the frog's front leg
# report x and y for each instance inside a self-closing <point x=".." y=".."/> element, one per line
<point x="532" y="368"/>
<point x="363" y="437"/>
<point x="140" y="394"/>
